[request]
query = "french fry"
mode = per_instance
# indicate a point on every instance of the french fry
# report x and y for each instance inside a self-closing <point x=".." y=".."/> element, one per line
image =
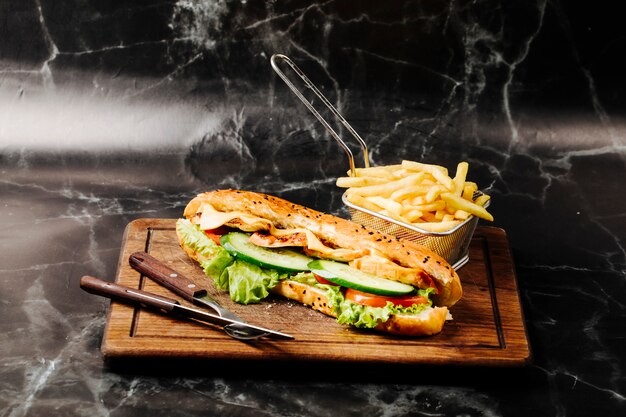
<point x="468" y="191"/>
<point x="347" y="182"/>
<point x="400" y="173"/>
<point x="444" y="180"/>
<point x="413" y="215"/>
<point x="459" y="178"/>
<point x="386" y="203"/>
<point x="482" y="200"/>
<point x="433" y="193"/>
<point x="410" y="192"/>
<point x="438" y="172"/>
<point x="418" y="200"/>
<point x="429" y="217"/>
<point x="434" y="206"/>
<point x="385" y="190"/>
<point x="382" y="171"/>
<point x="398" y="217"/>
<point x="437" y="226"/>
<point x="448" y="218"/>
<point x="462" y="204"/>
<point x="363" y="202"/>
<point x="418" y="166"/>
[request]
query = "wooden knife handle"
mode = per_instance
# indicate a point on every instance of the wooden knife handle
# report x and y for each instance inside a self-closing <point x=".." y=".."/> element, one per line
<point x="166" y="276"/>
<point x="122" y="293"/>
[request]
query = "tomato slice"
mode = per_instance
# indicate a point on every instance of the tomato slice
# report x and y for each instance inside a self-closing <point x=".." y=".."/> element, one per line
<point x="374" y="300"/>
<point x="323" y="280"/>
<point x="215" y="234"/>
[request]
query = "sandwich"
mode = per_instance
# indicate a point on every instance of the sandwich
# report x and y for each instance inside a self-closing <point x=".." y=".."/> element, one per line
<point x="253" y="245"/>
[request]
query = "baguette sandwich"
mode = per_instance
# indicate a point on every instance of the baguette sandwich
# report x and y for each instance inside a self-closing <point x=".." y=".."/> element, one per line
<point x="254" y="244"/>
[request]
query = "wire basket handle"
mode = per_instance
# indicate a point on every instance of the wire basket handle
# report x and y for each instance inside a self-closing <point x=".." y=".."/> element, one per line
<point x="309" y="84"/>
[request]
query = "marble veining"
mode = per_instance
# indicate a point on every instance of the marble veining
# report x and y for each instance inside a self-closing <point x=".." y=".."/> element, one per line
<point x="112" y="111"/>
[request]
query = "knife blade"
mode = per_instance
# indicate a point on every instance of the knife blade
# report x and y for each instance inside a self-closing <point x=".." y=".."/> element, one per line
<point x="177" y="282"/>
<point x="126" y="294"/>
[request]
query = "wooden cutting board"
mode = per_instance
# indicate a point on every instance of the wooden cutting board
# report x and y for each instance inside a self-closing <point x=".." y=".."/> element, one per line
<point x="488" y="326"/>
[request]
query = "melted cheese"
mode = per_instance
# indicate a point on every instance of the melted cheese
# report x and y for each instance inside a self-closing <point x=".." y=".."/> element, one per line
<point x="314" y="244"/>
<point x="212" y="219"/>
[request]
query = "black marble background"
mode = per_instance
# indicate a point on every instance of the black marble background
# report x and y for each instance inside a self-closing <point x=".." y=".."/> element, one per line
<point x="115" y="110"/>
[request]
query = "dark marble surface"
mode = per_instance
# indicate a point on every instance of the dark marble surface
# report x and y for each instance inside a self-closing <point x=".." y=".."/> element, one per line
<point x="116" y="110"/>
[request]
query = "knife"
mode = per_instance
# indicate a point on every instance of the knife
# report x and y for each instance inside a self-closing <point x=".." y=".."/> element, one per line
<point x="177" y="282"/>
<point x="126" y="294"/>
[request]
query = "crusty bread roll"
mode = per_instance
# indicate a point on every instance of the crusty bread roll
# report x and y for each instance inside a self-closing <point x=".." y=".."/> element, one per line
<point x="379" y="253"/>
<point x="406" y="261"/>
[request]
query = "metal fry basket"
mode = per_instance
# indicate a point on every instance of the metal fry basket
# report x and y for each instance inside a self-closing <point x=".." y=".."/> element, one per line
<point x="452" y="245"/>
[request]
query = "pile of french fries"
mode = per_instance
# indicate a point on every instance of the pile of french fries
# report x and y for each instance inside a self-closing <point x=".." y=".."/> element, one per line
<point x="421" y="195"/>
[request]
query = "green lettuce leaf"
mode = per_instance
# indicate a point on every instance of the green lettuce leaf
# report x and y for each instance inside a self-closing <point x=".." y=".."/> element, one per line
<point x="212" y="257"/>
<point x="248" y="283"/>
<point x="305" y="277"/>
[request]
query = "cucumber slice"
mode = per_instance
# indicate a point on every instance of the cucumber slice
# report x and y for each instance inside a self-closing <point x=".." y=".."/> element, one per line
<point x="239" y="246"/>
<point x="346" y="276"/>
